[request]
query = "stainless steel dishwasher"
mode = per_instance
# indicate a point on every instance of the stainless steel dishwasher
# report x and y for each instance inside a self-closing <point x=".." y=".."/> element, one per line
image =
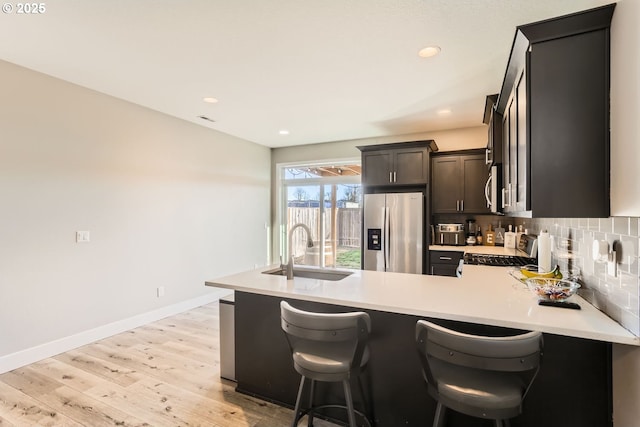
<point x="226" y="305"/>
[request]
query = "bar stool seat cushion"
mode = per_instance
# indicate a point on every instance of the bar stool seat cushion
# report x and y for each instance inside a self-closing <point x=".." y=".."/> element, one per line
<point x="325" y="362"/>
<point x="464" y="388"/>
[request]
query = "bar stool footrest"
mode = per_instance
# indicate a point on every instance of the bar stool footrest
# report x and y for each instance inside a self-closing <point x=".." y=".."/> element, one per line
<point x="314" y="408"/>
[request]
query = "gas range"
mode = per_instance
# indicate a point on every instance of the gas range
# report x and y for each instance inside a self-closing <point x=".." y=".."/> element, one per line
<point x="498" y="260"/>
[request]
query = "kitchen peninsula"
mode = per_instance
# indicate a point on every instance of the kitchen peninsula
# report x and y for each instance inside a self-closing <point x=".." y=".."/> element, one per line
<point x="576" y="365"/>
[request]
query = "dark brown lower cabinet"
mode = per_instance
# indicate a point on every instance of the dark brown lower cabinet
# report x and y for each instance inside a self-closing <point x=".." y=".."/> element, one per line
<point x="573" y="388"/>
<point x="445" y="263"/>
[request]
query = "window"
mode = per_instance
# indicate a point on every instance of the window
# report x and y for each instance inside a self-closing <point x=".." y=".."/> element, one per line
<point x="327" y="200"/>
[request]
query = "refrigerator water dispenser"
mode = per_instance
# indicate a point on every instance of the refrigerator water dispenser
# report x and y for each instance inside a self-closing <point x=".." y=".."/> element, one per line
<point x="374" y="240"/>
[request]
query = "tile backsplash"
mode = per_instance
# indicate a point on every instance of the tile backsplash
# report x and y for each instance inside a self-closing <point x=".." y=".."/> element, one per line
<point x="573" y="238"/>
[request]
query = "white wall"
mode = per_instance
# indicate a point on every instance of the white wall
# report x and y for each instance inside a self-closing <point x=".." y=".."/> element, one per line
<point x="448" y="140"/>
<point x="625" y="181"/>
<point x="625" y="109"/>
<point x="167" y="203"/>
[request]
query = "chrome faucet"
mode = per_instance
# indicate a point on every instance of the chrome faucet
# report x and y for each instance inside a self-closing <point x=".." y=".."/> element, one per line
<point x="309" y="245"/>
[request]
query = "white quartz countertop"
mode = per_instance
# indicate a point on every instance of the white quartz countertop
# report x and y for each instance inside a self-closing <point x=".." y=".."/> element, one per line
<point x="484" y="295"/>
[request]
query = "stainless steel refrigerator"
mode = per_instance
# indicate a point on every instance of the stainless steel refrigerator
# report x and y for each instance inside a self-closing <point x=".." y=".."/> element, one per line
<point x="393" y="232"/>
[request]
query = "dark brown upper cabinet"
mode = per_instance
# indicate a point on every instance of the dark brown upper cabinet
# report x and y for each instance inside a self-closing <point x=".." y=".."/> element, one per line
<point x="458" y="182"/>
<point x="554" y="105"/>
<point x="398" y="164"/>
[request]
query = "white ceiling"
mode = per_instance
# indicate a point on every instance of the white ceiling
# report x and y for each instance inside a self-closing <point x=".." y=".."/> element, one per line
<point x="326" y="70"/>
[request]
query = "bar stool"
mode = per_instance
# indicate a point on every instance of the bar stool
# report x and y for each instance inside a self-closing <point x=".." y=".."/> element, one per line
<point x="327" y="347"/>
<point x="484" y="377"/>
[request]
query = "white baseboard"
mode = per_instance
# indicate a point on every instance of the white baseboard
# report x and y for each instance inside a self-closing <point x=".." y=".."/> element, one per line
<point x="30" y="355"/>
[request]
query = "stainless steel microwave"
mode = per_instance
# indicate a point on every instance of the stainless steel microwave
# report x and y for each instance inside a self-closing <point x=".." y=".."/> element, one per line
<point x="492" y="189"/>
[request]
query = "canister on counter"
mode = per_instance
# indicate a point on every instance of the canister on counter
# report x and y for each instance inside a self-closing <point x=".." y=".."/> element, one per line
<point x="544" y="251"/>
<point x="490" y="237"/>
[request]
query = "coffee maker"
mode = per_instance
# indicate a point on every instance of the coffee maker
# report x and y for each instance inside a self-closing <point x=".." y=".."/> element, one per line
<point x="471" y="232"/>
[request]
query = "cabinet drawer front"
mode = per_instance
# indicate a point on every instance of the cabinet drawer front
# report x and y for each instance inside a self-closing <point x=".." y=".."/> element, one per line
<point x="443" y="270"/>
<point x="445" y="257"/>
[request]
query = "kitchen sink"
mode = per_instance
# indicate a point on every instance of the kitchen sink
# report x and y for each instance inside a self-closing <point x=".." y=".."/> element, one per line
<point x="311" y="273"/>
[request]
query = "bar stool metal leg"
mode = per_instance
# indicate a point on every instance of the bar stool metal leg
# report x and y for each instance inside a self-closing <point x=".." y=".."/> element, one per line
<point x="347" y="396"/>
<point x="310" y="417"/>
<point x="438" y="420"/>
<point x="296" y="410"/>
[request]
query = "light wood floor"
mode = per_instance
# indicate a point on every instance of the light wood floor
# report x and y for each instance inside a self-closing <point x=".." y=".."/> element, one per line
<point x="165" y="373"/>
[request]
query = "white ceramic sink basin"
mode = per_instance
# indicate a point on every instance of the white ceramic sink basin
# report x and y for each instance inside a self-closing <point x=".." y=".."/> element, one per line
<point x="311" y="273"/>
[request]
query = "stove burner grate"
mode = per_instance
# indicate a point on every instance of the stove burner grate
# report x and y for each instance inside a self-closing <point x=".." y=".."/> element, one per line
<point x="498" y="260"/>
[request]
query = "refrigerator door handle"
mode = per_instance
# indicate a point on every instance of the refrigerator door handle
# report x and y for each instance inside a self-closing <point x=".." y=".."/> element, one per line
<point x="387" y="235"/>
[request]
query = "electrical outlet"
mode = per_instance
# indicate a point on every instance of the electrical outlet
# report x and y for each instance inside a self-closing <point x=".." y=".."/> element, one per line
<point x="160" y="291"/>
<point x="82" y="237"/>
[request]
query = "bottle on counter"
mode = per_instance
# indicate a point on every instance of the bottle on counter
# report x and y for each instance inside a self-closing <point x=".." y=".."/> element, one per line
<point x="499" y="234"/>
<point x="519" y="232"/>
<point x="510" y="241"/>
<point x="490" y="237"/>
<point x="479" y="236"/>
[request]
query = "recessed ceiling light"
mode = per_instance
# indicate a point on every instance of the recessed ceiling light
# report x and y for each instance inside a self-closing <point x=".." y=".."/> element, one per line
<point x="444" y="112"/>
<point x="429" y="51"/>
<point x="210" y="100"/>
<point x="284" y="132"/>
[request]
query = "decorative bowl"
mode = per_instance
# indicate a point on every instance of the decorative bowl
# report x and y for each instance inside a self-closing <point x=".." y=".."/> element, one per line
<point x="550" y="289"/>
